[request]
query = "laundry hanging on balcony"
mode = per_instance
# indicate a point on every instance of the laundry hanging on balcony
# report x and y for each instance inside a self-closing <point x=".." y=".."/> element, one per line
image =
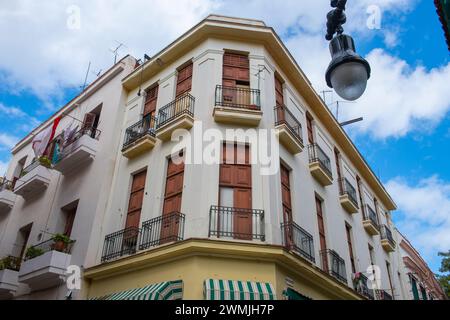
<point x="237" y="290"/>
<point x="43" y="138"/>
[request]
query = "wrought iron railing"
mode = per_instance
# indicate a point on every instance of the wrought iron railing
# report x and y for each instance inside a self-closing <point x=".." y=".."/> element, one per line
<point x="237" y="223"/>
<point x="334" y="265"/>
<point x="65" y="146"/>
<point x="361" y="286"/>
<point x="316" y="154"/>
<point x="346" y="188"/>
<point x="46" y="246"/>
<point x="238" y="97"/>
<point x="284" y="116"/>
<point x="6" y="185"/>
<point x="298" y="240"/>
<point x="180" y="106"/>
<point x="10" y="263"/>
<point x="163" y="229"/>
<point x="120" y="243"/>
<point x="383" y="295"/>
<point x="34" y="164"/>
<point x="386" y="233"/>
<point x="144" y="127"/>
<point x="370" y="214"/>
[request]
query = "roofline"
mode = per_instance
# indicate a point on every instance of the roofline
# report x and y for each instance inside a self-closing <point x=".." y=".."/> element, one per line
<point x="95" y="85"/>
<point x="309" y="94"/>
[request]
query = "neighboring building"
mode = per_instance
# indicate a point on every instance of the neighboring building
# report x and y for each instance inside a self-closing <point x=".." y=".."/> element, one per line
<point x="443" y="11"/>
<point x="68" y="198"/>
<point x="418" y="281"/>
<point x="314" y="228"/>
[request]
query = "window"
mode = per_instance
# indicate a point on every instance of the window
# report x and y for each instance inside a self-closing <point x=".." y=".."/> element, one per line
<point x="286" y="194"/>
<point x="22" y="240"/>
<point x="348" y="230"/>
<point x="358" y="183"/>
<point x="236" y="70"/>
<point x="388" y="268"/>
<point x="337" y="156"/>
<point x="309" y="124"/>
<point x="371" y="255"/>
<point x="18" y="170"/>
<point x="151" y="99"/>
<point x="135" y="200"/>
<point x="91" y="121"/>
<point x="322" y="236"/>
<point x="69" y="213"/>
<point x="414" y="289"/>
<point x="184" y="79"/>
<point x="279" y="97"/>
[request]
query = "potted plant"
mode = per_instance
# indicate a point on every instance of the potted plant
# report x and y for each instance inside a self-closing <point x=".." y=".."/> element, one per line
<point x="45" y="161"/>
<point x="33" y="252"/>
<point x="60" y="242"/>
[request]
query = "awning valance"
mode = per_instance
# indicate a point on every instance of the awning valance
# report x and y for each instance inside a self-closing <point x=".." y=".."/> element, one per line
<point x="169" y="290"/>
<point x="237" y="290"/>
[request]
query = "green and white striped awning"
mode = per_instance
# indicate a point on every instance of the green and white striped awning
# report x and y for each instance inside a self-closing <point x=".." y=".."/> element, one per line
<point x="237" y="290"/>
<point x="169" y="290"/>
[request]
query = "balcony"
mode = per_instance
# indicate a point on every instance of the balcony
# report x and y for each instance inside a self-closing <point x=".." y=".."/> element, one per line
<point x="237" y="105"/>
<point x="383" y="295"/>
<point x="387" y="240"/>
<point x="34" y="180"/>
<point x="320" y="165"/>
<point x="236" y="223"/>
<point x="161" y="230"/>
<point x="370" y="221"/>
<point x="7" y="196"/>
<point x="298" y="240"/>
<point x="45" y="264"/>
<point x="121" y="243"/>
<point x="334" y="265"/>
<point x="77" y="151"/>
<point x="139" y="138"/>
<point x="9" y="276"/>
<point x="289" y="130"/>
<point x="348" y="196"/>
<point x="179" y="114"/>
<point x="360" y="283"/>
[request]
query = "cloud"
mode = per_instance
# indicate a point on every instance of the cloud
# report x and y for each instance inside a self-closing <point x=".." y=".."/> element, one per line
<point x="3" y="168"/>
<point x="11" y="111"/>
<point x="424" y="213"/>
<point x="7" y="140"/>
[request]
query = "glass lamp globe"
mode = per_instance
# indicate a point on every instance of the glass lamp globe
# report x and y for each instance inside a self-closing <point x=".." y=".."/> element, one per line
<point x="347" y="73"/>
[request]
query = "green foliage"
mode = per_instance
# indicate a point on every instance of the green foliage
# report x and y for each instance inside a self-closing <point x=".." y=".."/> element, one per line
<point x="61" y="237"/>
<point x="444" y="278"/>
<point x="33" y="252"/>
<point x="45" y="161"/>
<point x="9" y="262"/>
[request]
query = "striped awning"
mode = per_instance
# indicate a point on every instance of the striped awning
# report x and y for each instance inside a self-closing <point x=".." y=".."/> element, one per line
<point x="169" y="290"/>
<point x="237" y="290"/>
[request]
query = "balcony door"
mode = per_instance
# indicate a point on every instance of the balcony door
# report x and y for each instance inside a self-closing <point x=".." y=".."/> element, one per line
<point x="236" y="74"/>
<point x="136" y="199"/>
<point x="151" y="99"/>
<point x="235" y="190"/>
<point x="286" y="204"/>
<point x="184" y="80"/>
<point x="322" y="236"/>
<point x="172" y="200"/>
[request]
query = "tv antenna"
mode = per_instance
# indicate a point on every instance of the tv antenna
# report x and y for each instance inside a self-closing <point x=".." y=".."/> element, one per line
<point x="86" y="77"/>
<point x="258" y="74"/>
<point x="337" y="103"/>
<point x="146" y="58"/>
<point x="116" y="50"/>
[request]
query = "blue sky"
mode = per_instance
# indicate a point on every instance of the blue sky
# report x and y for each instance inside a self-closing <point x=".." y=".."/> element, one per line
<point x="406" y="132"/>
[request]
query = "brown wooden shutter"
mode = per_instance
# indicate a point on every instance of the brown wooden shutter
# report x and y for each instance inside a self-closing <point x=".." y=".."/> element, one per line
<point x="236" y="68"/>
<point x="322" y="236"/>
<point x="70" y="218"/>
<point x="89" y="120"/>
<point x="184" y="80"/>
<point x="350" y="247"/>
<point x="279" y="92"/>
<point x="309" y="125"/>
<point x="136" y="199"/>
<point x="150" y="101"/>
<point x="337" y="157"/>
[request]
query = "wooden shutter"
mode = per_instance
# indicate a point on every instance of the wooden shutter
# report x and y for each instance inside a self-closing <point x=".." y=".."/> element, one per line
<point x="337" y="157"/>
<point x="70" y="218"/>
<point x="322" y="236"/>
<point x="89" y="120"/>
<point x="350" y="247"/>
<point x="309" y="125"/>
<point x="286" y="205"/>
<point x="172" y="201"/>
<point x="184" y="80"/>
<point x="150" y="101"/>
<point x="236" y="68"/>
<point x="279" y="92"/>
<point x="136" y="199"/>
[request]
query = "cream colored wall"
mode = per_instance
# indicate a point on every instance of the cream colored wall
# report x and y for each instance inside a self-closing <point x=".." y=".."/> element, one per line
<point x="90" y="184"/>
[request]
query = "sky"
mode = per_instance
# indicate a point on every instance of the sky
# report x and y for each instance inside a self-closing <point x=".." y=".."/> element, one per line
<point x="46" y="47"/>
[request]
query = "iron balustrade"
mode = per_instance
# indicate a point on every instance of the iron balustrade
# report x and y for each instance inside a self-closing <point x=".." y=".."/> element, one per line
<point x="348" y="189"/>
<point x="10" y="263"/>
<point x="334" y="265"/>
<point x="144" y="127"/>
<point x="362" y="287"/>
<point x="370" y="214"/>
<point x="183" y="105"/>
<point x="284" y="116"/>
<point x="65" y="145"/>
<point x="386" y="233"/>
<point x="383" y="295"/>
<point x="298" y="240"/>
<point x="238" y="97"/>
<point x="6" y="185"/>
<point x="50" y="245"/>
<point x="33" y="165"/>
<point x="163" y="229"/>
<point x="237" y="223"/>
<point x="316" y="154"/>
<point x="120" y="243"/>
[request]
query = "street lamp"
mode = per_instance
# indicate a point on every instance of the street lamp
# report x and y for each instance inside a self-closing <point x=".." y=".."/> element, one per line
<point x="348" y="72"/>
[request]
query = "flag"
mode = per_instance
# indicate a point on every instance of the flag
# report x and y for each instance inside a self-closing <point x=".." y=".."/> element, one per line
<point x="43" y="138"/>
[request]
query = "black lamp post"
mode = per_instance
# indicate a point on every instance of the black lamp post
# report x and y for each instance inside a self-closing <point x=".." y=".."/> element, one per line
<point x="348" y="72"/>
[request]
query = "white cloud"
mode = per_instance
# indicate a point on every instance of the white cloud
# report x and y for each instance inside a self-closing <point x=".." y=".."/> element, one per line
<point x="424" y="213"/>
<point x="3" y="168"/>
<point x="7" y="140"/>
<point x="11" y="111"/>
